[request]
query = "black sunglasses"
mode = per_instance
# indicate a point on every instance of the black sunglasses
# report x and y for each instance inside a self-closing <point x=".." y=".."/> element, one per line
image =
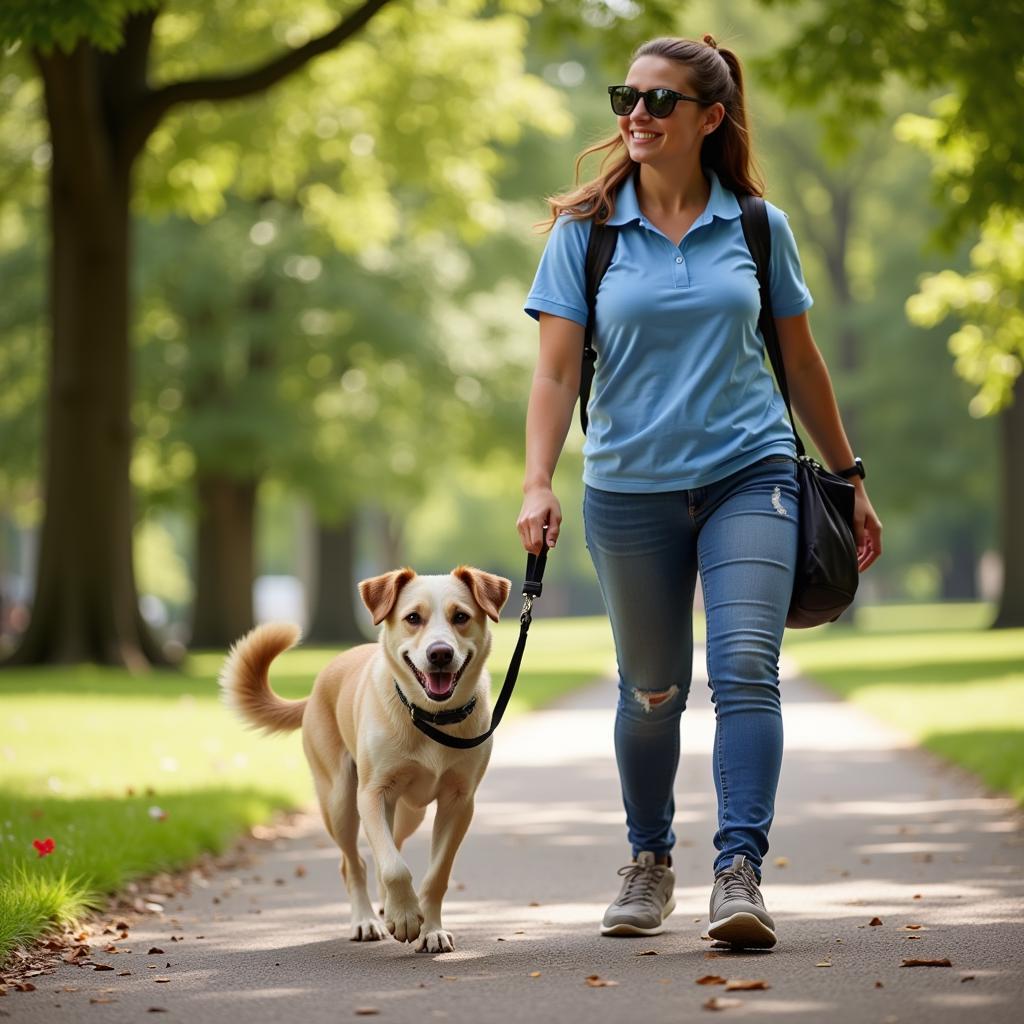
<point x="659" y="102"/>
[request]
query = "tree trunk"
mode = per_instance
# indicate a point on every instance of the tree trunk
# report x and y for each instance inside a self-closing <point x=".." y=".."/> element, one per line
<point x="336" y="603"/>
<point x="959" y="572"/>
<point x="225" y="561"/>
<point x="85" y="606"/>
<point x="1011" y="604"/>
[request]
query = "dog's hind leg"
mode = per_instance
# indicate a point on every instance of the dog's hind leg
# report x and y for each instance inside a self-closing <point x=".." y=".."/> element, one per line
<point x="343" y="810"/>
<point x="407" y="820"/>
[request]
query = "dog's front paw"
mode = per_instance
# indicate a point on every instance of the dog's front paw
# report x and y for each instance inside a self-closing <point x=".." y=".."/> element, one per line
<point x="368" y="929"/>
<point x="403" y="917"/>
<point x="436" y="941"/>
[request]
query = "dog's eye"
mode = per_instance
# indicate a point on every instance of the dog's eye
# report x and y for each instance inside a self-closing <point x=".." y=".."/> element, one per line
<point x="460" y="618"/>
<point x="413" y="618"/>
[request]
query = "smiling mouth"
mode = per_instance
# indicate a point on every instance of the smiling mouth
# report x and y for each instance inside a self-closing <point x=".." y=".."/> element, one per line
<point x="438" y="686"/>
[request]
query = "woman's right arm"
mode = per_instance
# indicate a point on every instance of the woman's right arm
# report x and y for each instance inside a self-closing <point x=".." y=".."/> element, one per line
<point x="553" y="394"/>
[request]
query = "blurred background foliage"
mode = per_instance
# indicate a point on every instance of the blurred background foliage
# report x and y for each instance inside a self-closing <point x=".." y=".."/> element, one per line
<point x="331" y="359"/>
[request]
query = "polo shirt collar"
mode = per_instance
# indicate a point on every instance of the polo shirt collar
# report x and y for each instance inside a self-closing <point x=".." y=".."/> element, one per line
<point x="721" y="203"/>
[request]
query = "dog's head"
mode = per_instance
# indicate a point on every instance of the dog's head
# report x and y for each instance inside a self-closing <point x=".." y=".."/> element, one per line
<point x="435" y="633"/>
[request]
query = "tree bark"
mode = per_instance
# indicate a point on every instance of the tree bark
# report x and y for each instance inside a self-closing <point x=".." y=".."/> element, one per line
<point x="85" y="606"/>
<point x="225" y="563"/>
<point x="1011" y="604"/>
<point x="959" y="571"/>
<point x="335" y="607"/>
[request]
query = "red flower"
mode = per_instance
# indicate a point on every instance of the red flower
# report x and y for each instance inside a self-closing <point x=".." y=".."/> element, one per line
<point x="44" y="846"/>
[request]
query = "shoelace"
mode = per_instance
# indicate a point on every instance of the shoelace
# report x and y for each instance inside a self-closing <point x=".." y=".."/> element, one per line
<point x="641" y="881"/>
<point x="740" y="884"/>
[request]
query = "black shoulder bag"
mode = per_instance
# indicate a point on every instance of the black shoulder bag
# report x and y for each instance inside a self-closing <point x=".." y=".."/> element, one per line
<point x="826" y="565"/>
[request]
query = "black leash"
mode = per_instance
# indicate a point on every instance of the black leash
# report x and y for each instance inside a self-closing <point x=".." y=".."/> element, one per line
<point x="531" y="591"/>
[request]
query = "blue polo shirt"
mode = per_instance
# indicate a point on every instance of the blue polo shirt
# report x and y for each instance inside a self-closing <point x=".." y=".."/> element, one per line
<point x="682" y="394"/>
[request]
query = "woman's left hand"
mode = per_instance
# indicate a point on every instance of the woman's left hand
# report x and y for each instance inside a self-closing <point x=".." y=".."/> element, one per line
<point x="867" y="530"/>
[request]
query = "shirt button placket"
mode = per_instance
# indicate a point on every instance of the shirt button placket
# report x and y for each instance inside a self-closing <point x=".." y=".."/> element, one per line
<point x="679" y="272"/>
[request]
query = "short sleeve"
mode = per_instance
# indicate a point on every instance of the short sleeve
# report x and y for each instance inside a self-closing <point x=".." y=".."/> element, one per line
<point x="790" y="295"/>
<point x="558" y="287"/>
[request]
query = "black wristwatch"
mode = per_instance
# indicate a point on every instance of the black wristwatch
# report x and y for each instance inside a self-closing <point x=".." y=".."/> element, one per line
<point x="857" y="469"/>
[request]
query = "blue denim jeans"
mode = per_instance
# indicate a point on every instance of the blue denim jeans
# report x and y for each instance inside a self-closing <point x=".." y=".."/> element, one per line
<point x="740" y="534"/>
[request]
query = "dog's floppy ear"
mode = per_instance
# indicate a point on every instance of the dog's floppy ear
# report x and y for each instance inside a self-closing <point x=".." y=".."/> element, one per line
<point x="379" y="593"/>
<point x="489" y="591"/>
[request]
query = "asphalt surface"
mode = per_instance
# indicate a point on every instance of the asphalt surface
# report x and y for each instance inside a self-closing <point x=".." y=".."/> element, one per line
<point x="867" y="827"/>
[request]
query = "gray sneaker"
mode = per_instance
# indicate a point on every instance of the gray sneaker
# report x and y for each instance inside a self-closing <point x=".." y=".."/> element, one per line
<point x="647" y="898"/>
<point x="737" y="910"/>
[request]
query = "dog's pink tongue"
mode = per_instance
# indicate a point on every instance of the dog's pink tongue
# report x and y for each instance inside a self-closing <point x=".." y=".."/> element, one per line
<point x="439" y="683"/>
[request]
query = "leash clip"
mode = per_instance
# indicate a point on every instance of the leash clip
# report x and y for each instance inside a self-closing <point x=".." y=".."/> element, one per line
<point x="527" y="613"/>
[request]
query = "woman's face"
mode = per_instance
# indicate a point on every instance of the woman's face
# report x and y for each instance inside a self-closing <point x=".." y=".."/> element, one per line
<point x="666" y="140"/>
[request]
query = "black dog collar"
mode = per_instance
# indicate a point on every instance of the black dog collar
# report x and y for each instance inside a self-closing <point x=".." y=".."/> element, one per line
<point x="449" y="717"/>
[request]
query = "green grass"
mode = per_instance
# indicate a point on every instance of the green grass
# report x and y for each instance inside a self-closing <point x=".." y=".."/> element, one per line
<point x="935" y="672"/>
<point x="87" y="753"/>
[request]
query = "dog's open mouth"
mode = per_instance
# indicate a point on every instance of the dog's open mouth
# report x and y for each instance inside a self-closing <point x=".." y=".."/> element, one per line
<point x="438" y="685"/>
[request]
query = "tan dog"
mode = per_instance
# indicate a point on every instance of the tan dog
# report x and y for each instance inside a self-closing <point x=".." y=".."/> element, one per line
<point x="369" y="761"/>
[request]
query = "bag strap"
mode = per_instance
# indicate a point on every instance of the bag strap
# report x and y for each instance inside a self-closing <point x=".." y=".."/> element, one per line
<point x="600" y="247"/>
<point x="532" y="587"/>
<point x="758" y="235"/>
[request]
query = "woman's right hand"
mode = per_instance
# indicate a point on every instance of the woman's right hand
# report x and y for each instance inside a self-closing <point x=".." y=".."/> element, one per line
<point x="540" y="509"/>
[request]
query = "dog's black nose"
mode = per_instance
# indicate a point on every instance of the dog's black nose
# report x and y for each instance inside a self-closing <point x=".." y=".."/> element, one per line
<point x="439" y="655"/>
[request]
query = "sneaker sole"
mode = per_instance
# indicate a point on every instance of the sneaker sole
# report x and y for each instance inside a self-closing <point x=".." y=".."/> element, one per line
<point x="743" y="930"/>
<point x="634" y="929"/>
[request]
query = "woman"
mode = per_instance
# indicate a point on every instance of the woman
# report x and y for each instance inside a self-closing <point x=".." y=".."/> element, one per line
<point x="689" y="459"/>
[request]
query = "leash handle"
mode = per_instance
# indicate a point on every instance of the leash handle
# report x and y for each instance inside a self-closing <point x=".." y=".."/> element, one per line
<point x="532" y="586"/>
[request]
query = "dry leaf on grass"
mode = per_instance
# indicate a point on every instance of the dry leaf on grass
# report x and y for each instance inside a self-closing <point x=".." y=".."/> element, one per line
<point x="711" y="979"/>
<point x="746" y="985"/>
<point x="943" y="962"/>
<point x="721" y="1003"/>
<point x="596" y="981"/>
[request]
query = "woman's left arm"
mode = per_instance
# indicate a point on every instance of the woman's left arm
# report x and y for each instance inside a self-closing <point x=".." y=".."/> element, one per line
<point x="814" y="403"/>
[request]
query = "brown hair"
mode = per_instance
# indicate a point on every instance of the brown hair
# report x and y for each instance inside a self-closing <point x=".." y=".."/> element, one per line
<point x="717" y="78"/>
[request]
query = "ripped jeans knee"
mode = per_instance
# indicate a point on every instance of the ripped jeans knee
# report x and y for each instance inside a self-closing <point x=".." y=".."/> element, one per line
<point x="651" y="705"/>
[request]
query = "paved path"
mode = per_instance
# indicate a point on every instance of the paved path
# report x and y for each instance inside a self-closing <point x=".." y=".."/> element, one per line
<point x="867" y="825"/>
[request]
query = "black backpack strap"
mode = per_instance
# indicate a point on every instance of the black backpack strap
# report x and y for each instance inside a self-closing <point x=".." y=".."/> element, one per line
<point x="757" y="232"/>
<point x="600" y="247"/>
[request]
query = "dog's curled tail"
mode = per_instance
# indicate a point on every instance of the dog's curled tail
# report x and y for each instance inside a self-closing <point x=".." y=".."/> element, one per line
<point x="244" y="685"/>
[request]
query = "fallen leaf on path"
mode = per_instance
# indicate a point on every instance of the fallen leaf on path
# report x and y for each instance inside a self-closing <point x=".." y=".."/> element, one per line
<point x="103" y="967"/>
<point x="154" y="951"/>
<point x="721" y="1003"/>
<point x="781" y="862"/>
<point x="824" y="963"/>
<point x="24" y="986"/>
<point x="967" y="977"/>
<point x="95" y="1000"/>
<point x="875" y="922"/>
<point x="156" y="1009"/>
<point x="917" y="896"/>
<point x="746" y="985"/>
<point x="123" y="974"/>
<point x="648" y="952"/>
<point x="534" y="974"/>
<point x="596" y="981"/>
<point x="878" y="984"/>
<point x="300" y="871"/>
<point x="161" y="981"/>
<point x="711" y="979"/>
<point x="70" y="988"/>
<point x="944" y="962"/>
<point x="533" y="903"/>
<point x="913" y="927"/>
<point x="366" y="1011"/>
